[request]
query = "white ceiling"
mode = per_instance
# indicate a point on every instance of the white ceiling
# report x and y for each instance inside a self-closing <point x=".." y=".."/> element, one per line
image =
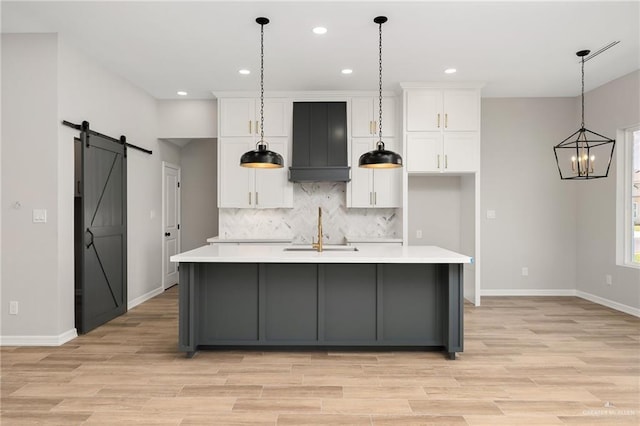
<point x="524" y="49"/>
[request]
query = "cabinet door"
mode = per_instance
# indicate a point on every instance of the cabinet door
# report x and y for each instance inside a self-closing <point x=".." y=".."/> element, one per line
<point x="461" y="152"/>
<point x="272" y="186"/>
<point x="424" y="110"/>
<point x="424" y="152"/>
<point x="237" y="117"/>
<point x="362" y="117"/>
<point x="235" y="183"/>
<point x="277" y="117"/>
<point x="387" y="183"/>
<point x="361" y="178"/>
<point x="461" y="110"/>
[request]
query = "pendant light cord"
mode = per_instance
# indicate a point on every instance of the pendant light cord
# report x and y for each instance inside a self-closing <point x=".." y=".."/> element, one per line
<point x="262" y="84"/>
<point x="380" y="81"/>
<point x="582" y="125"/>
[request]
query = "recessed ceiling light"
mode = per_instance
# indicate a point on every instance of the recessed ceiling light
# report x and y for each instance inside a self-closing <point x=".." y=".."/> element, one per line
<point x="244" y="72"/>
<point x="182" y="93"/>
<point x="450" y="71"/>
<point x="347" y="71"/>
<point x="320" y="30"/>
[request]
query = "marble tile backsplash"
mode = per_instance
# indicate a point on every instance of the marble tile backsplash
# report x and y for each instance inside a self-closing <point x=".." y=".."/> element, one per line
<point x="300" y="222"/>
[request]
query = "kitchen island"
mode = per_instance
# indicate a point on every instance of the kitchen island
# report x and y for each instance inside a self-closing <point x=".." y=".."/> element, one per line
<point x="344" y="296"/>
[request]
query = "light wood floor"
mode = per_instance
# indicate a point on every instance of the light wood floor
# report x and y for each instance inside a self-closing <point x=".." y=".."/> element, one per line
<point x="527" y="361"/>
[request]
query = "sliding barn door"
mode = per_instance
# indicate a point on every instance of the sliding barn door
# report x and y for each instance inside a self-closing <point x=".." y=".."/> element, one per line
<point x="103" y="291"/>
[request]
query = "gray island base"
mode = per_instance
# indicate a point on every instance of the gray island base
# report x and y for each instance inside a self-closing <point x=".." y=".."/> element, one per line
<point x="319" y="304"/>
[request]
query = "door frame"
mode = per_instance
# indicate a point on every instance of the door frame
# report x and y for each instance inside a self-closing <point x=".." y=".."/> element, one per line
<point x="166" y="165"/>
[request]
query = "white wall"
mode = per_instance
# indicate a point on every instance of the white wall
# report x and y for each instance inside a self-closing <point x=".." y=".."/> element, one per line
<point x="30" y="172"/>
<point x="536" y="212"/>
<point x="610" y="107"/>
<point x="43" y="82"/>
<point x="434" y="209"/>
<point x="187" y="119"/>
<point x="199" y="165"/>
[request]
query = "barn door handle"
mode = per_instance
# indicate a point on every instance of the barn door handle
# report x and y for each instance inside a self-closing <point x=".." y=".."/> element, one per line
<point x="85" y="238"/>
<point x="167" y="234"/>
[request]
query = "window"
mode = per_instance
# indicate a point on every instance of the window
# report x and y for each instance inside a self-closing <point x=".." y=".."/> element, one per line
<point x="628" y="197"/>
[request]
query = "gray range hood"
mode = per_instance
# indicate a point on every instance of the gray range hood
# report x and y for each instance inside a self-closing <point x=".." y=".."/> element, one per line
<point x="319" y="142"/>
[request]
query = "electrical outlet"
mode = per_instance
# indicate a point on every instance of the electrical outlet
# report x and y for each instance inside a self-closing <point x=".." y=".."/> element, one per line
<point x="13" y="308"/>
<point x="525" y="271"/>
<point x="608" y="279"/>
<point x="419" y="233"/>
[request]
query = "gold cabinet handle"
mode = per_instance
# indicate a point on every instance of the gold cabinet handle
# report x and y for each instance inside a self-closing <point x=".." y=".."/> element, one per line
<point x="375" y="198"/>
<point x="250" y="129"/>
<point x="446" y="121"/>
<point x="257" y="127"/>
<point x="256" y="198"/>
<point x="438" y="161"/>
<point x="446" y="162"/>
<point x="438" y="120"/>
<point x="249" y="197"/>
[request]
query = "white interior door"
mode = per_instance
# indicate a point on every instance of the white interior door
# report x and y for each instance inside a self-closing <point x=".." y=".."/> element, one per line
<point x="170" y="222"/>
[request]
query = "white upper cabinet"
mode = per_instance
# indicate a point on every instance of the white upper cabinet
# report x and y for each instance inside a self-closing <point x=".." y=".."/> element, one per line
<point x="442" y="129"/>
<point x="442" y="110"/>
<point x="237" y="117"/>
<point x="241" y="187"/>
<point x="241" y="117"/>
<point x="239" y="132"/>
<point x="365" y="118"/>
<point x="461" y="110"/>
<point x="373" y="188"/>
<point x="423" y="110"/>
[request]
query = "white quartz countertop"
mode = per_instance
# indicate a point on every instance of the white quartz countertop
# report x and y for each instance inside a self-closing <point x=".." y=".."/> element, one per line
<point x="247" y="253"/>
<point x="248" y="240"/>
<point x="382" y="240"/>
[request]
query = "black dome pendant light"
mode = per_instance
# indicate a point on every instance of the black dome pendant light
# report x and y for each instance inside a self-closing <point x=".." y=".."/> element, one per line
<point x="262" y="157"/>
<point x="589" y="154"/>
<point x="380" y="158"/>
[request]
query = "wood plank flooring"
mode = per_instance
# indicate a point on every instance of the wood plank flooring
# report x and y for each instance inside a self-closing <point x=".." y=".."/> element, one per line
<point x="527" y="361"/>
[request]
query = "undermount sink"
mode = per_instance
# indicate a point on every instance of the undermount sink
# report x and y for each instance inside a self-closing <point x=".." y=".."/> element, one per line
<point x="324" y="248"/>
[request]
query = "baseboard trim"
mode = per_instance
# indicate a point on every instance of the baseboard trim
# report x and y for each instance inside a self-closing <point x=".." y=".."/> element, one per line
<point x="141" y="299"/>
<point x="609" y="303"/>
<point x="564" y="292"/>
<point x="58" y="340"/>
<point x="528" y="292"/>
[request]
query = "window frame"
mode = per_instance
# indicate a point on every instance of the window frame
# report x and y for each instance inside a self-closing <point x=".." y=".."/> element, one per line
<point x="624" y="207"/>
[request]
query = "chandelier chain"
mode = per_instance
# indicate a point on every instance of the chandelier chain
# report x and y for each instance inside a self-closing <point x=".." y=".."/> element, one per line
<point x="380" y="81"/>
<point x="261" y="82"/>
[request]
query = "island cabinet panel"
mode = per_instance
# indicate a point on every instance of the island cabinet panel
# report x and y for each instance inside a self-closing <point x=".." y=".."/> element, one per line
<point x="228" y="300"/>
<point x="320" y="304"/>
<point x="411" y="305"/>
<point x="290" y="303"/>
<point x="349" y="309"/>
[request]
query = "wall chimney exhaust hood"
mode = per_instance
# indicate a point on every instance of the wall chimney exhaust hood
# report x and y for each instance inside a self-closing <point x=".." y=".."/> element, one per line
<point x="319" y="142"/>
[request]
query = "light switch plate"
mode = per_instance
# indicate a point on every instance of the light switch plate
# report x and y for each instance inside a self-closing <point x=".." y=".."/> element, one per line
<point x="39" y="215"/>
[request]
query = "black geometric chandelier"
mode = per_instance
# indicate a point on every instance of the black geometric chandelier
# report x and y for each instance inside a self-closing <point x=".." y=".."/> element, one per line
<point x="380" y="158"/>
<point x="585" y="154"/>
<point x="262" y="157"/>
